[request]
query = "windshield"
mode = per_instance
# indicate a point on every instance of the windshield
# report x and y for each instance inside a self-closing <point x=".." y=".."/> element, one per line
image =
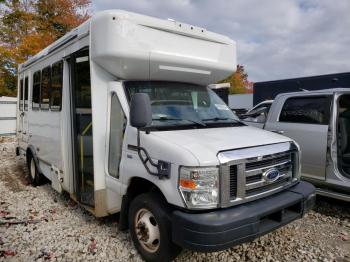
<point x="183" y="105"/>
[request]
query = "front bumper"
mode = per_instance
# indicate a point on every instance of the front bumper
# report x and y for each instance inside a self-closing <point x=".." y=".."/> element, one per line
<point x="221" y="229"/>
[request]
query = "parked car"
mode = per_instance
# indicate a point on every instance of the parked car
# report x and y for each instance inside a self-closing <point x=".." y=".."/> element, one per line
<point x="320" y="122"/>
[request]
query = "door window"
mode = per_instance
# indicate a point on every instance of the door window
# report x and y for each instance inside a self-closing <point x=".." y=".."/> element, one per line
<point x="26" y="94"/>
<point x="20" y="95"/>
<point x="117" y="129"/>
<point x="83" y="126"/>
<point x="307" y="110"/>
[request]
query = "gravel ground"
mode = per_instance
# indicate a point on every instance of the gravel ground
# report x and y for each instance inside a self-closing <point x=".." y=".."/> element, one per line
<point x="52" y="227"/>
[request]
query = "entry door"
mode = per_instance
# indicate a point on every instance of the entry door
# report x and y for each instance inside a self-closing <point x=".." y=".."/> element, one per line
<point x="82" y="127"/>
<point x="306" y="120"/>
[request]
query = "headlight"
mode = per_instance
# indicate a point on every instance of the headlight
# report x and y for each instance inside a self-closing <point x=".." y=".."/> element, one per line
<point x="199" y="186"/>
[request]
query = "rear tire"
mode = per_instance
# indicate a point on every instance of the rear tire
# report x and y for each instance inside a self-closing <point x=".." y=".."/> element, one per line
<point x="150" y="228"/>
<point x="34" y="175"/>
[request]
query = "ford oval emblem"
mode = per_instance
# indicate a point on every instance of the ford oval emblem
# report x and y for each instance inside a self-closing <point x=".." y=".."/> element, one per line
<point x="271" y="175"/>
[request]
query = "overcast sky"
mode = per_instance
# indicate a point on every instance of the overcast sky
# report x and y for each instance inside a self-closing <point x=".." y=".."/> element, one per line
<point x="275" y="38"/>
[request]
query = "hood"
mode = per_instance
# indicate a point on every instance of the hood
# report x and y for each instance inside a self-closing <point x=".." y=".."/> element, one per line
<point x="205" y="143"/>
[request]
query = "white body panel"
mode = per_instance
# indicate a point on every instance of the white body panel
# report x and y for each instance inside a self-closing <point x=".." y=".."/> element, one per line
<point x="204" y="144"/>
<point x="140" y="47"/>
<point x="49" y="132"/>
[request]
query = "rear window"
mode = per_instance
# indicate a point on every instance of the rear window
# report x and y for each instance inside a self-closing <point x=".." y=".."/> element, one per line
<point x="307" y="110"/>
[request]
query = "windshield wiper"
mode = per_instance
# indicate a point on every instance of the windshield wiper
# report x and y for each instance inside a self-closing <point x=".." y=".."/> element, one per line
<point x="165" y="118"/>
<point x="216" y="119"/>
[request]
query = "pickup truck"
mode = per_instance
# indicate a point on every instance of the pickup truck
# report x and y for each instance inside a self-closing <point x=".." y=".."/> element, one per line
<point x="319" y="121"/>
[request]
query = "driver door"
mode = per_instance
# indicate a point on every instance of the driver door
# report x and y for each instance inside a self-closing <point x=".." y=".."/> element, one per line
<point x="306" y="119"/>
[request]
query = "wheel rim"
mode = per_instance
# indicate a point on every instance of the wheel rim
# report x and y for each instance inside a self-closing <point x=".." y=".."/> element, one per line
<point x="32" y="168"/>
<point x="147" y="230"/>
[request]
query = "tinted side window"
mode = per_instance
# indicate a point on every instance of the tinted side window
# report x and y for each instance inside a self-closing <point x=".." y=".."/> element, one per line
<point x="306" y="110"/>
<point x="26" y="94"/>
<point x="83" y="92"/>
<point x="36" y="90"/>
<point x="45" y="87"/>
<point x="20" y="94"/>
<point x="56" y="86"/>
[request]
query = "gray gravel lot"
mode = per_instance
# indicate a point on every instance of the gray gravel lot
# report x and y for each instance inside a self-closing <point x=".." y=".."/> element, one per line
<point x="52" y="227"/>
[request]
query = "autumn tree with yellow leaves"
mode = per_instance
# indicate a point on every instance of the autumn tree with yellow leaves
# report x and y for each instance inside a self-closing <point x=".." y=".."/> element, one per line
<point x="239" y="81"/>
<point x="28" y="26"/>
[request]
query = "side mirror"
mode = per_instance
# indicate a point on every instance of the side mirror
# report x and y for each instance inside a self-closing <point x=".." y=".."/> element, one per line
<point x="257" y="112"/>
<point x="140" y="110"/>
<point x="261" y="118"/>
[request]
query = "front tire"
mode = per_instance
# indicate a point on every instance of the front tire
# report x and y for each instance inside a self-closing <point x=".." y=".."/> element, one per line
<point x="150" y="228"/>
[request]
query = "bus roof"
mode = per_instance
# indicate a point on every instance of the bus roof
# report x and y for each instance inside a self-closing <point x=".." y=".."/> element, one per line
<point x="135" y="46"/>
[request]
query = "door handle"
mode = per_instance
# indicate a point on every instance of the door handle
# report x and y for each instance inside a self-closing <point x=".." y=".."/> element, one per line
<point x="22" y="114"/>
<point x="281" y="132"/>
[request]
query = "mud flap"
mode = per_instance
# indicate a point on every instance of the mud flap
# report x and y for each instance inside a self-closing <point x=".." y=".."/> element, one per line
<point x="56" y="179"/>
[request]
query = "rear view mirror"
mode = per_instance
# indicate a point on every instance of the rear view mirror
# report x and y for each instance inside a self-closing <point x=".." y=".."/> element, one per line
<point x="140" y="110"/>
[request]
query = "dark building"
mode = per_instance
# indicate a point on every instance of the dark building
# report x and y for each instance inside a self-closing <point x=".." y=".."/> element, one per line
<point x="270" y="89"/>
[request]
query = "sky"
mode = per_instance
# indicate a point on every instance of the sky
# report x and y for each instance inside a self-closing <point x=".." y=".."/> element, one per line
<point x="276" y="39"/>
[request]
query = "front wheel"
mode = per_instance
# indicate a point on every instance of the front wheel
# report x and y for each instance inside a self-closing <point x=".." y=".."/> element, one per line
<point x="150" y="228"/>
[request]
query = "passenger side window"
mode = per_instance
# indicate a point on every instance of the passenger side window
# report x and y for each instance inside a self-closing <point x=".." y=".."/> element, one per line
<point x="26" y="94"/>
<point x="117" y="129"/>
<point x="36" y="90"/>
<point x="45" y="88"/>
<point x="20" y="95"/>
<point x="56" y="86"/>
<point x="306" y="110"/>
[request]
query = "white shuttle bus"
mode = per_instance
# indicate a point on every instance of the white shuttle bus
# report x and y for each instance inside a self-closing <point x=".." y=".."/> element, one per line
<point x="117" y="113"/>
